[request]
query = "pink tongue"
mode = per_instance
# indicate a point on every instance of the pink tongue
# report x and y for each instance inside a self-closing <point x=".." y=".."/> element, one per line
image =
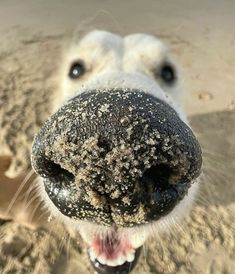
<point x="111" y="247"/>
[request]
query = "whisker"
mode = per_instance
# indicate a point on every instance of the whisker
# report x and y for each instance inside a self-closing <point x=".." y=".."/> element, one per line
<point x="24" y="182"/>
<point x="145" y="254"/>
<point x="63" y="241"/>
<point x="68" y="247"/>
<point x="31" y="188"/>
<point x="145" y="257"/>
<point x="181" y="228"/>
<point x="217" y="155"/>
<point x="31" y="216"/>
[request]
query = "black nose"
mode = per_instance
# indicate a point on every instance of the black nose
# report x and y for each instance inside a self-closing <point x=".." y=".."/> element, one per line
<point x="116" y="156"/>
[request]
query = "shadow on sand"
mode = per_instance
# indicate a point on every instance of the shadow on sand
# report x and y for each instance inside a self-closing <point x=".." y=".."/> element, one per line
<point x="216" y="133"/>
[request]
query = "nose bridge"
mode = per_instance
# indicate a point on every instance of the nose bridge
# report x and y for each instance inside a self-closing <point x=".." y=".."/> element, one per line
<point x="111" y="61"/>
<point x="111" y="57"/>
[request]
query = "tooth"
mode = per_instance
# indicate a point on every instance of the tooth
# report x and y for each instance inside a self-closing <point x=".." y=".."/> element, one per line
<point x="137" y="240"/>
<point x="97" y="264"/>
<point x="121" y="259"/>
<point x="102" y="259"/>
<point x="112" y="262"/>
<point x="130" y="257"/>
<point x="92" y="254"/>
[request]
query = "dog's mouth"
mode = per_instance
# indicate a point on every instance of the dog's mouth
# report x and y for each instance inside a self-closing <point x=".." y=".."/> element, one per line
<point x="113" y="253"/>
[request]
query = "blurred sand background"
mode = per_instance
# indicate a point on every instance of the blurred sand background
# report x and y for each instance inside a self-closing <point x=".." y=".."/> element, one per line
<point x="34" y="35"/>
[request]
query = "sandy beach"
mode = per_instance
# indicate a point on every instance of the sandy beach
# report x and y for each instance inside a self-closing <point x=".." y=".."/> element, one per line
<point x="34" y="37"/>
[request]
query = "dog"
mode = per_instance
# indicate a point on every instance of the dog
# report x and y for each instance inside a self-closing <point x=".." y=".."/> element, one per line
<point x="117" y="159"/>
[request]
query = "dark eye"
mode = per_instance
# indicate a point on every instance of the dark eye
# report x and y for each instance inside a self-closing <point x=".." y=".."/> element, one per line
<point x="167" y="74"/>
<point x="77" y="69"/>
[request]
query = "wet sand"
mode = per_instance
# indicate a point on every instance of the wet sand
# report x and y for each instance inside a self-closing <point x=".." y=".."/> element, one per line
<point x="202" y="37"/>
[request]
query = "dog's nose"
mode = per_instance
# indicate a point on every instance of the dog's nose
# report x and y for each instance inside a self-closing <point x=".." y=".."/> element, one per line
<point x="116" y="156"/>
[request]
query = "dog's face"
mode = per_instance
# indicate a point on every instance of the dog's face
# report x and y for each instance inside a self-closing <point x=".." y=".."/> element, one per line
<point x="118" y="159"/>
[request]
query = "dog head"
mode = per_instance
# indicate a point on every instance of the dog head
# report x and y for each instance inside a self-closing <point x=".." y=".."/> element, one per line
<point x="118" y="158"/>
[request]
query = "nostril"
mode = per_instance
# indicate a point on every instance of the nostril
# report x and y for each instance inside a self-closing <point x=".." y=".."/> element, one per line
<point x="52" y="170"/>
<point x="58" y="171"/>
<point x="162" y="194"/>
<point x="157" y="176"/>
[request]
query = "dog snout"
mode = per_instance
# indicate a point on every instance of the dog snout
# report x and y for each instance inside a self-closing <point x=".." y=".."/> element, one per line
<point x="116" y="156"/>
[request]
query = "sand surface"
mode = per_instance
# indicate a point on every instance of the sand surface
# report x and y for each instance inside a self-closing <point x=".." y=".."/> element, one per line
<point x="33" y="39"/>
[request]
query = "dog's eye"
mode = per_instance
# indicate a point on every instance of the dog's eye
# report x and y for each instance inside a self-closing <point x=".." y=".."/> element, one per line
<point x="77" y="69"/>
<point x="167" y="74"/>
